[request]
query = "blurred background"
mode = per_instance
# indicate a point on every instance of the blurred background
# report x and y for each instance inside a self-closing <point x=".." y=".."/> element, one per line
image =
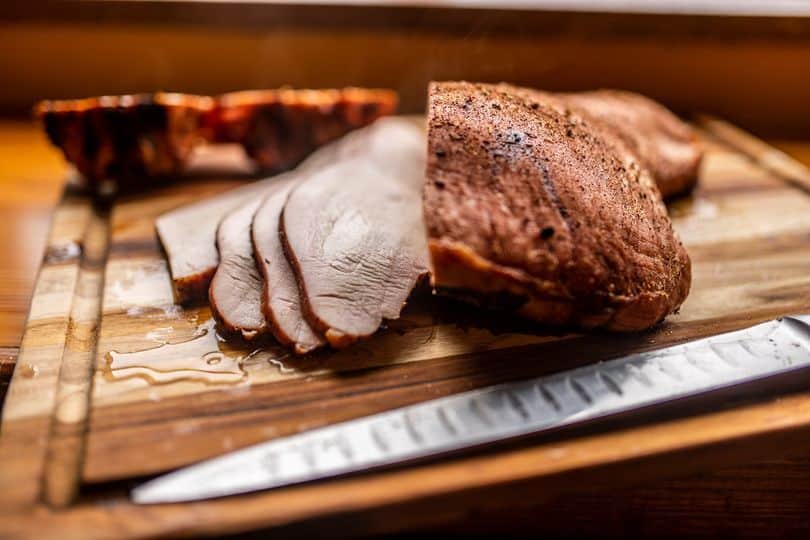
<point x="743" y="60"/>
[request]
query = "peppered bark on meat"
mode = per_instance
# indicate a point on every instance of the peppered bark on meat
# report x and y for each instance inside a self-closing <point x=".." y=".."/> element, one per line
<point x="529" y="197"/>
<point x="664" y="144"/>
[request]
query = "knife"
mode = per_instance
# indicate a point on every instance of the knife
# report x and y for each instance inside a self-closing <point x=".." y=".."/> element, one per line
<point x="777" y="351"/>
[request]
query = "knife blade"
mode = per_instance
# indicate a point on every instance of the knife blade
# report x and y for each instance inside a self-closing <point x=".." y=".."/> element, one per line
<point x="507" y="411"/>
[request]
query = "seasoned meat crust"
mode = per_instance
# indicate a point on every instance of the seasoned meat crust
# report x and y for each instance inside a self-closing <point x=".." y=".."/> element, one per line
<point x="531" y="202"/>
<point x="659" y="139"/>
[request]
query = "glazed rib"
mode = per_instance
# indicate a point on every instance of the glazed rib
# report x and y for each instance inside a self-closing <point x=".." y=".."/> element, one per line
<point x="279" y="128"/>
<point x="532" y="206"/>
<point x="132" y="139"/>
<point x="128" y="138"/>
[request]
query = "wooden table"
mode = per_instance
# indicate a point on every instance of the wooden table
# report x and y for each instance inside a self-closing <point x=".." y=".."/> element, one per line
<point x="31" y="174"/>
<point x="762" y="498"/>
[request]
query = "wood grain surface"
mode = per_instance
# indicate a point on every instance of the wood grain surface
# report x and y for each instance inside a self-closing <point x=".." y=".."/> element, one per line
<point x="748" y="232"/>
<point x="32" y="395"/>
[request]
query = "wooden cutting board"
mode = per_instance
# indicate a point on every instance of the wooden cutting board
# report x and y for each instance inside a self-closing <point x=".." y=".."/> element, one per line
<point x="115" y="382"/>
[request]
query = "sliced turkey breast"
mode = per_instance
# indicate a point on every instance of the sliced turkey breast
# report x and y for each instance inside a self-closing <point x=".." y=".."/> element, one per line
<point x="354" y="235"/>
<point x="235" y="290"/>
<point x="188" y="235"/>
<point x="281" y="303"/>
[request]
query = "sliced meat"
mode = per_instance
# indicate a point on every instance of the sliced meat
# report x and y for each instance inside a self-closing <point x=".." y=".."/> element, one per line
<point x="531" y="206"/>
<point x="279" y="128"/>
<point x="251" y="294"/>
<point x="188" y="235"/>
<point x="281" y="304"/>
<point x="354" y="235"/>
<point x="235" y="291"/>
<point x="662" y="142"/>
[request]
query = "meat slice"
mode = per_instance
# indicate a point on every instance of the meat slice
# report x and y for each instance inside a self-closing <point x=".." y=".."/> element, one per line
<point x="252" y="293"/>
<point x="531" y="206"/>
<point x="188" y="235"/>
<point x="662" y="142"/>
<point x="354" y="235"/>
<point x="281" y="304"/>
<point x="235" y="291"/>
